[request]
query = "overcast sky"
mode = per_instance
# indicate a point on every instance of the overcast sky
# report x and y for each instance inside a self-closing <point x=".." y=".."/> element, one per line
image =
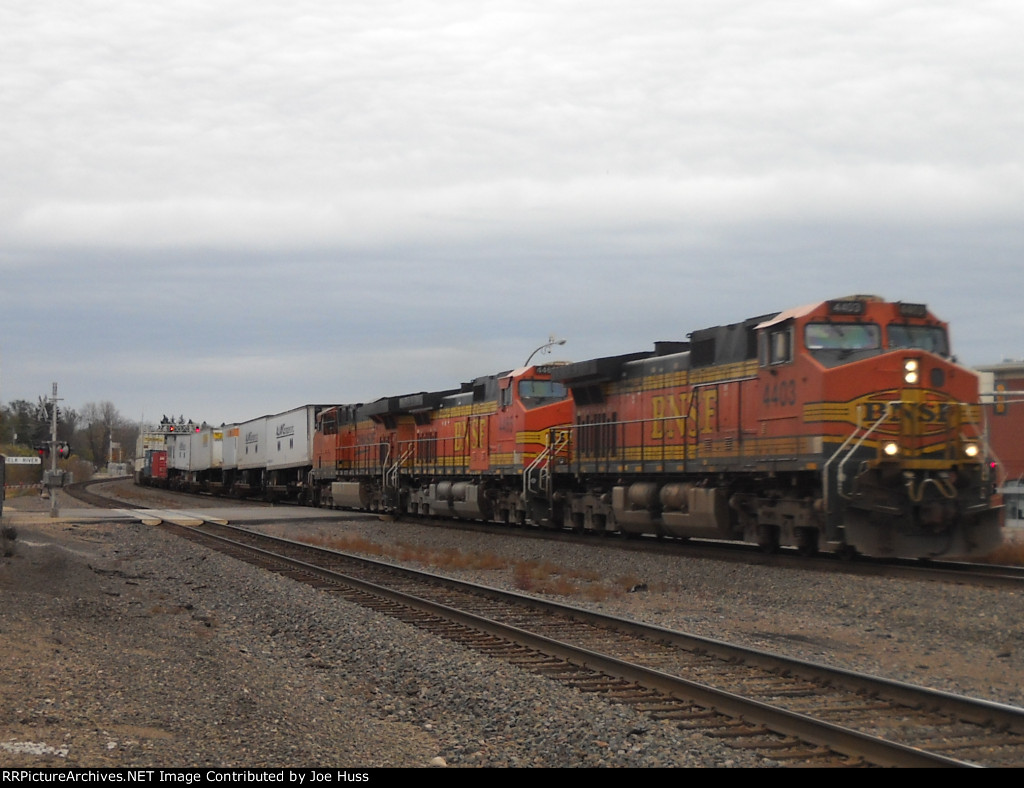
<point x="225" y="209"/>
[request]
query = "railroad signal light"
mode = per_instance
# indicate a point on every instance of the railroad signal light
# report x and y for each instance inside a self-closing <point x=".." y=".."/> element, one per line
<point x="64" y="451"/>
<point x="43" y="449"/>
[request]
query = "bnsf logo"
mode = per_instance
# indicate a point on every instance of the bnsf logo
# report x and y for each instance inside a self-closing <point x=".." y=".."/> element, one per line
<point x="927" y="412"/>
<point x="927" y="417"/>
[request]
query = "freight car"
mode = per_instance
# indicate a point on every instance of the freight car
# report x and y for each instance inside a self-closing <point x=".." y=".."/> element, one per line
<point x="269" y="457"/>
<point x="843" y="425"/>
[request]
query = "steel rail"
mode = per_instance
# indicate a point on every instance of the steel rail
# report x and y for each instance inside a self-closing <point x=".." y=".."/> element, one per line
<point x="840" y="739"/>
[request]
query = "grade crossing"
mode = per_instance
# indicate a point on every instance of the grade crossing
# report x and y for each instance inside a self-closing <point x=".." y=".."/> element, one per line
<point x="147" y="516"/>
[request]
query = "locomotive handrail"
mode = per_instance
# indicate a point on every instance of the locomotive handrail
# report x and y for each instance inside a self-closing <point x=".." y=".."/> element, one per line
<point x="840" y="471"/>
<point x="384" y="453"/>
<point x="619" y="425"/>
<point x="392" y="473"/>
<point x="429" y="457"/>
<point x="541" y="464"/>
<point x="987" y="446"/>
<point x="946" y="489"/>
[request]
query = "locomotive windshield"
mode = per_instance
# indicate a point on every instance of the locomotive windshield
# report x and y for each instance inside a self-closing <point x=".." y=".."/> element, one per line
<point x="534" y="393"/>
<point x="930" y="338"/>
<point x="842" y="336"/>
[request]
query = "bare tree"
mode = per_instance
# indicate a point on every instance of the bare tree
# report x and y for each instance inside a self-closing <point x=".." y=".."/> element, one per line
<point x="100" y="420"/>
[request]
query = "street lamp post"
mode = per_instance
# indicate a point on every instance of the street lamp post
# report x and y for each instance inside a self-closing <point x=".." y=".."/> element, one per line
<point x="546" y="346"/>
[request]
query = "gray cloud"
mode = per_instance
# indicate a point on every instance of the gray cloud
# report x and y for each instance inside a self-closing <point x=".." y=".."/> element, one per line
<point x="346" y="201"/>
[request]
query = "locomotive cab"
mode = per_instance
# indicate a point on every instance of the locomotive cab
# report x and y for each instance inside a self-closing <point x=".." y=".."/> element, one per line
<point x="529" y="402"/>
<point x="532" y="442"/>
<point x="478" y="453"/>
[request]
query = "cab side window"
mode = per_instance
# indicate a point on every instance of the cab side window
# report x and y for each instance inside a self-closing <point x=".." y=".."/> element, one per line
<point x="777" y="346"/>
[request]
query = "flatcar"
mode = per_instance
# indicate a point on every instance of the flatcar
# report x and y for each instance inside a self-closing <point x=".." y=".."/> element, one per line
<point x="269" y="457"/>
<point x="843" y="425"/>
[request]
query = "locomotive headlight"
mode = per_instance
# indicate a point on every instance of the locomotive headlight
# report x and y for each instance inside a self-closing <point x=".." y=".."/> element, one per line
<point x="891" y="448"/>
<point x="911" y="371"/>
<point x="972" y="450"/>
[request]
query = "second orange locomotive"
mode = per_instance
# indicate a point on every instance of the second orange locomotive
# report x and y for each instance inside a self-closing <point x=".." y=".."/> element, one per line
<point x="466" y="452"/>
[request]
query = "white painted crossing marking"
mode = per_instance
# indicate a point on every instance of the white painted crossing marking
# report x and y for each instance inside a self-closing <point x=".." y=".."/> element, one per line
<point x="136" y="514"/>
<point x="206" y="518"/>
<point x="157" y="516"/>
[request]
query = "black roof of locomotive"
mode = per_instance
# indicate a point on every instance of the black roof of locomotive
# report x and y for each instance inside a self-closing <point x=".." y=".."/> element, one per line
<point x="706" y="347"/>
<point x="405" y="403"/>
<point x="595" y="370"/>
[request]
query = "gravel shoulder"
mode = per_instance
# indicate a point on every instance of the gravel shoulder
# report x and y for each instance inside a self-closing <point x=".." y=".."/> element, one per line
<point x="123" y="646"/>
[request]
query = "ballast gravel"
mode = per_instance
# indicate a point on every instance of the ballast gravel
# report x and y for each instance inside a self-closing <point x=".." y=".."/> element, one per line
<point x="121" y="645"/>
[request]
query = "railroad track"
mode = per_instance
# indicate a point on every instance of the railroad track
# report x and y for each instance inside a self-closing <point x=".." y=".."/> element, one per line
<point x="982" y="575"/>
<point x="772" y="704"/>
<point x="786" y="710"/>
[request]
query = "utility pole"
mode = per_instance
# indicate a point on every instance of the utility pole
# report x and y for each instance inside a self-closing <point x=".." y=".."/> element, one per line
<point x="54" y="479"/>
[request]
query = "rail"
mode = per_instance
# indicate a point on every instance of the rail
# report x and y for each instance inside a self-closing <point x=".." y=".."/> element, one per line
<point x="812" y="712"/>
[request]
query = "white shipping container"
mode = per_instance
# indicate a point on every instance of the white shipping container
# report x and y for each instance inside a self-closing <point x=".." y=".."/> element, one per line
<point x="207" y="449"/>
<point x="290" y="437"/>
<point x="252" y="443"/>
<point x="179" y="453"/>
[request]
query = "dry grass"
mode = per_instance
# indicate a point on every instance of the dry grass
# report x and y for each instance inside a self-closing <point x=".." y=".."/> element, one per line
<point x="544" y="577"/>
<point x="1010" y="553"/>
<point x="539" y="577"/>
<point x="450" y="558"/>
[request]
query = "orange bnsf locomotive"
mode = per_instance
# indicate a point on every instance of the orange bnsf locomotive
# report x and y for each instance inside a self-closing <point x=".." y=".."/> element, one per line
<point x="841" y="425"/>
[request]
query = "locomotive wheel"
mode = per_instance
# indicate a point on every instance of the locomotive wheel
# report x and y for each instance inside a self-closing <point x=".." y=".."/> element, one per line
<point x="807" y="541"/>
<point x="768" y="539"/>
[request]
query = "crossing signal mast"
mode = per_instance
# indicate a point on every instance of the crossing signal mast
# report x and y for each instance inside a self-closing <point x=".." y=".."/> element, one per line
<point x="53" y="478"/>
